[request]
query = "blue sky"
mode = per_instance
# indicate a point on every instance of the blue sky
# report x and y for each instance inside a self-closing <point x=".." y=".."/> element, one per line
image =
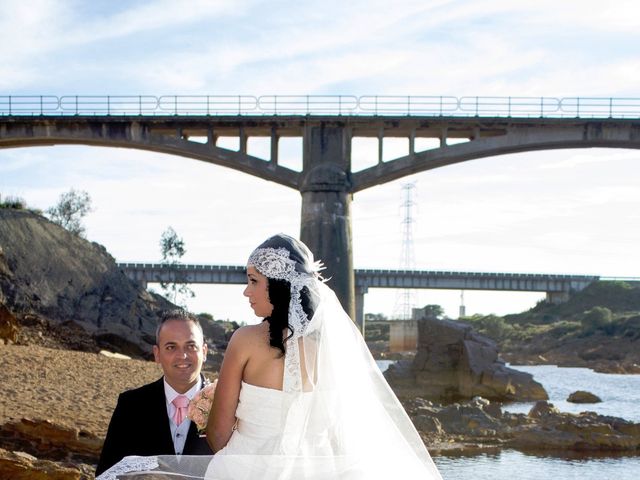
<point x="564" y="211"/>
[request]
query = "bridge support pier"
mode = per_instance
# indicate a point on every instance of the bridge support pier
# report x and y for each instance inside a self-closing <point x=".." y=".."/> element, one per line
<point x="326" y="207"/>
<point x="360" y="291"/>
<point x="557" y="297"/>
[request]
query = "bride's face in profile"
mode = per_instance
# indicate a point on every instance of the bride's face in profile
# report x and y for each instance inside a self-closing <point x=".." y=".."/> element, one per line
<point x="258" y="293"/>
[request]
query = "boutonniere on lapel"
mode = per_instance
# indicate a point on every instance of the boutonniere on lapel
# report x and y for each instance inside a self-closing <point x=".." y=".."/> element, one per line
<point x="200" y="405"/>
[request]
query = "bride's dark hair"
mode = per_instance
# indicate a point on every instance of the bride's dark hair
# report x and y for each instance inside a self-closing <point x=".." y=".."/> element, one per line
<point x="271" y="263"/>
<point x="280" y="296"/>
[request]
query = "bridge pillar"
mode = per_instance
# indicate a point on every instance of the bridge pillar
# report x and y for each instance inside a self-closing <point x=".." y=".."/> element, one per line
<point x="360" y="291"/>
<point x="326" y="207"/>
<point x="557" y="297"/>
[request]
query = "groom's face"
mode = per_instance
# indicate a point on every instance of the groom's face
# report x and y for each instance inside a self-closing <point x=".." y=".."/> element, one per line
<point x="180" y="351"/>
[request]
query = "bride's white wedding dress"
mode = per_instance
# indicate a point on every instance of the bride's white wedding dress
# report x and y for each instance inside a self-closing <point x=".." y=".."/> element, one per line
<point x="335" y="419"/>
<point x="259" y="432"/>
<point x="259" y="420"/>
<point x="267" y="442"/>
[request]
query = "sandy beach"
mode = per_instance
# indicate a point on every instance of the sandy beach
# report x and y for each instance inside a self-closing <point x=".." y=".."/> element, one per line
<point x="66" y="387"/>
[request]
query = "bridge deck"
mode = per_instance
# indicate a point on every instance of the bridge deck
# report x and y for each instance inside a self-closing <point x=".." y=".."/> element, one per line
<point x="372" y="278"/>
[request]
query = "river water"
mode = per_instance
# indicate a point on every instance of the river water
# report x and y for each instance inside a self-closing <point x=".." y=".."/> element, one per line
<point x="514" y="465"/>
<point x="620" y="396"/>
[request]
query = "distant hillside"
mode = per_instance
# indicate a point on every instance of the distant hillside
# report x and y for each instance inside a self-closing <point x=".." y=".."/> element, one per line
<point x="619" y="297"/>
<point x="598" y="327"/>
<point x="64" y="286"/>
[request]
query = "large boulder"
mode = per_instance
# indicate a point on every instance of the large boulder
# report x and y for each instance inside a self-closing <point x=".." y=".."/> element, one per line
<point x="455" y="362"/>
<point x="46" y="270"/>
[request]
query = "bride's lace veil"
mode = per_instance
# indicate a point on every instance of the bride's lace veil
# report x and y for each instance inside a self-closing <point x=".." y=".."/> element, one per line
<point x="340" y="419"/>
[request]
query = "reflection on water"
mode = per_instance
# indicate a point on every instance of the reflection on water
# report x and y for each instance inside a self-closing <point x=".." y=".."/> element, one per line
<point x="514" y="465"/>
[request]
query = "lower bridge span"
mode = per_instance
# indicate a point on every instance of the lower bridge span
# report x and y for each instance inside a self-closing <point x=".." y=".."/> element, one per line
<point x="556" y="286"/>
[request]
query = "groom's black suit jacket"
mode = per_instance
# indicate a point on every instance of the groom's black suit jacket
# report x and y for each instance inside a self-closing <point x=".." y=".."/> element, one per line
<point x="140" y="426"/>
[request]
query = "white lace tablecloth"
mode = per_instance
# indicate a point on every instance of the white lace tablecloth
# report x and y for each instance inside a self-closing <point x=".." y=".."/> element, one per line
<point x="128" y="465"/>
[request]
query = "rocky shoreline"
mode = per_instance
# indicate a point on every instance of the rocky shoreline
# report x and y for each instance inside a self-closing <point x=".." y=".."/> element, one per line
<point x="570" y="360"/>
<point x="454" y="388"/>
<point x="479" y="425"/>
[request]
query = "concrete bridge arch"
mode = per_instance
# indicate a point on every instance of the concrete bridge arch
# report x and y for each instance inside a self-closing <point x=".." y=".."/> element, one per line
<point x="326" y="181"/>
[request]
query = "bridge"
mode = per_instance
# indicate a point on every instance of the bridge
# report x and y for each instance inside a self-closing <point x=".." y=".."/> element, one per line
<point x="462" y="129"/>
<point x="557" y="287"/>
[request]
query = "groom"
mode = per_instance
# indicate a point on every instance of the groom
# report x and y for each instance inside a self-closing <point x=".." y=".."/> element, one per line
<point x="149" y="420"/>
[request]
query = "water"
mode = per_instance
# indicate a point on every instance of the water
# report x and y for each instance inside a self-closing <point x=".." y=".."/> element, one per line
<point x="514" y="465"/>
<point x="384" y="364"/>
<point x="620" y="396"/>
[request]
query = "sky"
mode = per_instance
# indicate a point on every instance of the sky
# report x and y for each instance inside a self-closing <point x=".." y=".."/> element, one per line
<point x="562" y="211"/>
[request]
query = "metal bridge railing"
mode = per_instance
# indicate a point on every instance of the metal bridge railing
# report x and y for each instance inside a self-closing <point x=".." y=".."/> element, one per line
<point x="410" y="105"/>
<point x="309" y="104"/>
<point x="109" y="105"/>
<point x="30" y="105"/>
<point x="206" y="104"/>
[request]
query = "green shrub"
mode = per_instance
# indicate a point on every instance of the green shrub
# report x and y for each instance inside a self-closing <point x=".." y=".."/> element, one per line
<point x="563" y="328"/>
<point x="628" y="327"/>
<point x="492" y="326"/>
<point x="598" y="318"/>
<point x="617" y="296"/>
<point x="15" y="203"/>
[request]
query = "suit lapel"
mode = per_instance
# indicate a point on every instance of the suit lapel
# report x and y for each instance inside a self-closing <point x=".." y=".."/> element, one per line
<point x="159" y="406"/>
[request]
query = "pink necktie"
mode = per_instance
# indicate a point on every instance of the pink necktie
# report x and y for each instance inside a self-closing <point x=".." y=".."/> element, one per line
<point x="181" y="403"/>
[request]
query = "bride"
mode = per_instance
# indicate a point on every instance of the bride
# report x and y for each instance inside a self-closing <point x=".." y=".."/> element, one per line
<point x="299" y="396"/>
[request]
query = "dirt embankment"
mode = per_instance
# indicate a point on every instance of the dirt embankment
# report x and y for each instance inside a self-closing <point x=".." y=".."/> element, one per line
<point x="77" y="389"/>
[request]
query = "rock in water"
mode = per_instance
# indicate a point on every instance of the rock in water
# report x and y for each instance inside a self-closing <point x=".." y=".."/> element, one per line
<point x="46" y="270"/>
<point x="582" y="396"/>
<point x="455" y="362"/>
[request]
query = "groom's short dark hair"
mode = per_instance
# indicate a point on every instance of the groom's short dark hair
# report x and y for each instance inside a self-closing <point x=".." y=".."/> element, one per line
<point x="177" y="314"/>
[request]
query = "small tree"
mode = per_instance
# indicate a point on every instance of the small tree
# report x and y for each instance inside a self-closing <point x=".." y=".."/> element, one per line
<point x="172" y="249"/>
<point x="433" y="311"/>
<point x="375" y="317"/>
<point x="71" y="208"/>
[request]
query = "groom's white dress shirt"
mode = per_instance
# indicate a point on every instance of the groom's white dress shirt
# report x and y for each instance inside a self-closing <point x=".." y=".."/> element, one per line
<point x="178" y="432"/>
